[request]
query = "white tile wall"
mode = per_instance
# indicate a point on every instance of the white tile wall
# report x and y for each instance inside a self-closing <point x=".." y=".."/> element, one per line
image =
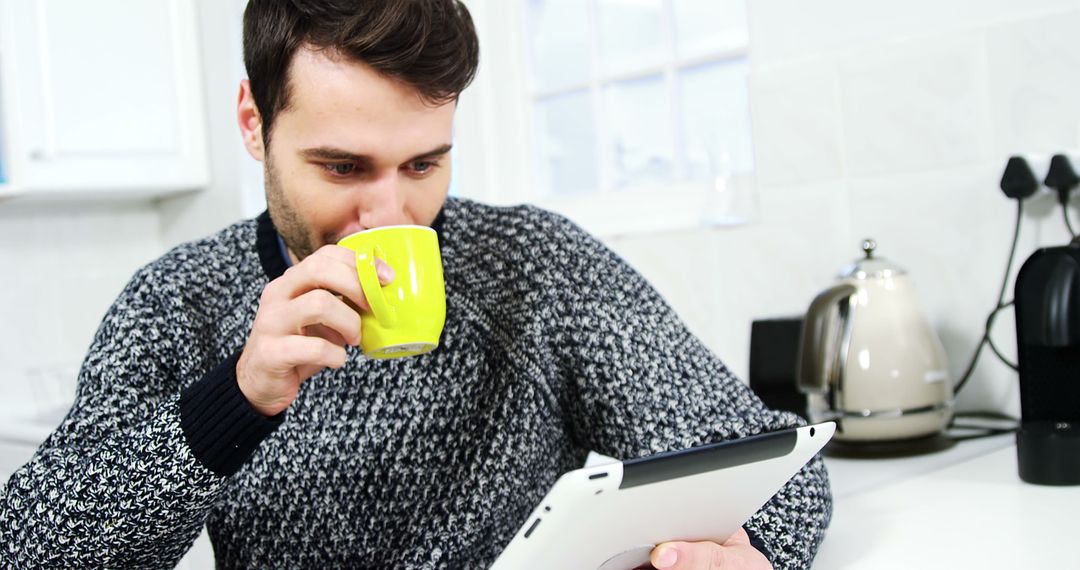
<point x="719" y="280"/>
<point x="912" y="106"/>
<point x="783" y="30"/>
<point x="1035" y="76"/>
<point x="890" y="121"/>
<point x="798" y="127"/>
<point x="63" y="266"/>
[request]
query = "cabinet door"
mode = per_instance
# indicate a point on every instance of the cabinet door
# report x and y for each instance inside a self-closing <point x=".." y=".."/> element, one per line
<point x="106" y="96"/>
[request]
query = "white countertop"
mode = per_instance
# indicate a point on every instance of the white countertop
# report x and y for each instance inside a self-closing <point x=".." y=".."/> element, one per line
<point x="854" y="476"/>
<point x="937" y="512"/>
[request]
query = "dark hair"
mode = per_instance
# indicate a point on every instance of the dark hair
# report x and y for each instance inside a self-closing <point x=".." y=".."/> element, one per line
<point x="430" y="45"/>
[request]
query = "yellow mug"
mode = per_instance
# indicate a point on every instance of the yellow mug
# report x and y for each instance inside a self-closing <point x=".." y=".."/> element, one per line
<point x="406" y="316"/>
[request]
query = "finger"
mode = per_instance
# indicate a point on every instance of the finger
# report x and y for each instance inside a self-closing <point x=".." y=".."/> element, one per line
<point x="330" y="267"/>
<point x="326" y="332"/>
<point x="318" y="307"/>
<point x="386" y="275"/>
<point x="309" y="354"/>
<point x="688" y="556"/>
<point x="385" y="272"/>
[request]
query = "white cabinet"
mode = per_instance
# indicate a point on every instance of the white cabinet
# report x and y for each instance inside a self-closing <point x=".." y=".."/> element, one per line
<point x="101" y="98"/>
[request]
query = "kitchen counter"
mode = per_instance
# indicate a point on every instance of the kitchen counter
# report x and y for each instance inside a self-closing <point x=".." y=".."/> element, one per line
<point x="851" y="477"/>
<point x="962" y="508"/>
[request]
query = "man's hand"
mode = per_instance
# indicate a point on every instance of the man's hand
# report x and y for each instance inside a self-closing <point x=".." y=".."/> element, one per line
<point x="736" y="552"/>
<point x="302" y="326"/>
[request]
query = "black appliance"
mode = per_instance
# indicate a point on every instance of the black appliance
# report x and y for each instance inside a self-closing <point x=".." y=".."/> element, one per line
<point x="1048" y="343"/>
<point x="774" y="351"/>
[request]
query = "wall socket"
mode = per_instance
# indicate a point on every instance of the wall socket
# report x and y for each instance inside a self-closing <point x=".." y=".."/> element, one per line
<point x="1014" y="181"/>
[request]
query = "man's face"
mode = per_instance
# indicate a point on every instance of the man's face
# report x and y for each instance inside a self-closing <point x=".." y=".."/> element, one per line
<point x="353" y="150"/>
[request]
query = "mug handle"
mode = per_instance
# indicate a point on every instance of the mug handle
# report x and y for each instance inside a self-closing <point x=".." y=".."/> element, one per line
<point x="369" y="282"/>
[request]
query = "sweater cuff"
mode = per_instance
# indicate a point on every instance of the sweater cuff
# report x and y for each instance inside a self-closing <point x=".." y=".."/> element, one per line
<point x="221" y="427"/>
<point x="759" y="544"/>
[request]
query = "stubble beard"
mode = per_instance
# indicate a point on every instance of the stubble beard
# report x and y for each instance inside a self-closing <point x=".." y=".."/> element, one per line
<point x="287" y="221"/>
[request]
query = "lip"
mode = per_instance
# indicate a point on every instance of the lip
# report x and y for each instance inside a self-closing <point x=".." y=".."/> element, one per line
<point x="373" y="230"/>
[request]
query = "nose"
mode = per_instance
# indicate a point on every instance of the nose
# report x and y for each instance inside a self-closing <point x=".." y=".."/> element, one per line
<point x="380" y="201"/>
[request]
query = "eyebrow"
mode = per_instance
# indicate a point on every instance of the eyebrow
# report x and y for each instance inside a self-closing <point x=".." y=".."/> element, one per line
<point x="329" y="153"/>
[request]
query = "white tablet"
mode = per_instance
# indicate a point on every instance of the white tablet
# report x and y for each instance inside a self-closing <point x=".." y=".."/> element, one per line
<point x="609" y="517"/>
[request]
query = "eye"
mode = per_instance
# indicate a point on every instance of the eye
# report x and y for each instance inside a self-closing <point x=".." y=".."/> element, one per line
<point x="341" y="169"/>
<point x="422" y="166"/>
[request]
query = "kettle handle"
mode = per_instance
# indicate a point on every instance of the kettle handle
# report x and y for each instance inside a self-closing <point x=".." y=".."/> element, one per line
<point x="816" y="368"/>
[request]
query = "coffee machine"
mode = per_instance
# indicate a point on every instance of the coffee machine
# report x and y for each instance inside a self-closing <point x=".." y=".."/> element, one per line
<point x="1048" y="341"/>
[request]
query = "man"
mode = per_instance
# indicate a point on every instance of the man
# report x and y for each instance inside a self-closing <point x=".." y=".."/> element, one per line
<point x="224" y="386"/>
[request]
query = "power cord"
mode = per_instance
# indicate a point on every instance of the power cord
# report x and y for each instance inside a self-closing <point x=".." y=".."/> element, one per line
<point x="990" y="339"/>
<point x="1068" y="224"/>
<point x="1001" y="304"/>
<point x="1000" y="424"/>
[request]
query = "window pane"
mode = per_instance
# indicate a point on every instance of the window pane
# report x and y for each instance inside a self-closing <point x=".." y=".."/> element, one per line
<point x="631" y="34"/>
<point x="709" y="25"/>
<point x="716" y="119"/>
<point x="559" y="41"/>
<point x="640" y="148"/>
<point x="567" y="144"/>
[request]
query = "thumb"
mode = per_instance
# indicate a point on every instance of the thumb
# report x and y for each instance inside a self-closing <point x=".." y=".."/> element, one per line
<point x="688" y="556"/>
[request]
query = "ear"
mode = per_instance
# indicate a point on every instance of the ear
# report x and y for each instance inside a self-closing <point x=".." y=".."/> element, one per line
<point x="250" y="121"/>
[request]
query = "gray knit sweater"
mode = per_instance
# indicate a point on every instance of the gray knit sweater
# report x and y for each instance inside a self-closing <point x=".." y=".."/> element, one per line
<point x="553" y="347"/>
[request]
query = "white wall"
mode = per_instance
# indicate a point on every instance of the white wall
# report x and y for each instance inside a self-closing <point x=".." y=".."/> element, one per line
<point x="62" y="264"/>
<point x="890" y="120"/>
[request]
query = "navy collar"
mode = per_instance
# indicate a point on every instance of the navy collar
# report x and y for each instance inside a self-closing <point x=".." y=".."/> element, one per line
<point x="275" y="256"/>
<point x="266" y="243"/>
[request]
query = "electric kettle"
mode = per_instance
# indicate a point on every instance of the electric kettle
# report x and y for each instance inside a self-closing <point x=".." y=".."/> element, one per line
<point x="870" y="361"/>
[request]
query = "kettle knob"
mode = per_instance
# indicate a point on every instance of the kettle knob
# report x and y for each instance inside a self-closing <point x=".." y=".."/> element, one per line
<point x="868" y="246"/>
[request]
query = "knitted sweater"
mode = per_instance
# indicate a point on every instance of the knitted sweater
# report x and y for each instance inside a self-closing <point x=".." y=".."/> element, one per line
<point x="553" y="347"/>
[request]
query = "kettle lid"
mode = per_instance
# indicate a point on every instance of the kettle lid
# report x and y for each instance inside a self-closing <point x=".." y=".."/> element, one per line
<point x="871" y="266"/>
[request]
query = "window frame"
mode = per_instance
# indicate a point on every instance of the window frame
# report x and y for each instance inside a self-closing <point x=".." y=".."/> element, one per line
<point x="497" y="118"/>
